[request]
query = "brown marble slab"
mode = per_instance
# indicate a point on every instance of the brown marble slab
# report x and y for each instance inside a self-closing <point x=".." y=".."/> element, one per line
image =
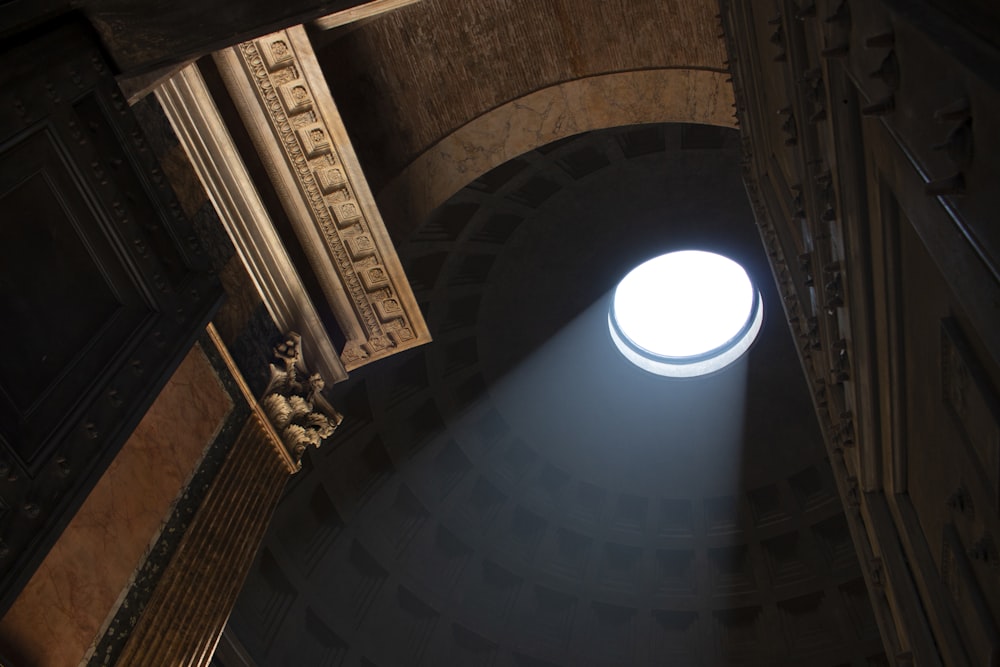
<point x="78" y="585"/>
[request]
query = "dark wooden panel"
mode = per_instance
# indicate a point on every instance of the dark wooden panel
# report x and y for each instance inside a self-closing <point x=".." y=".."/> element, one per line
<point x="103" y="286"/>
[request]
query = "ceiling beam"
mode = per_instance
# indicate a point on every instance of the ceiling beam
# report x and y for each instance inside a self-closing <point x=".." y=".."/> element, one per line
<point x="361" y="12"/>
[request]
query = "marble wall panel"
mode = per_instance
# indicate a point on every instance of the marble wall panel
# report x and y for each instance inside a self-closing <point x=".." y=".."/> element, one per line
<point x="80" y="582"/>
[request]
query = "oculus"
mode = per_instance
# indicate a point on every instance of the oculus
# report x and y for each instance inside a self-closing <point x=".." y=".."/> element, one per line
<point x="685" y="314"/>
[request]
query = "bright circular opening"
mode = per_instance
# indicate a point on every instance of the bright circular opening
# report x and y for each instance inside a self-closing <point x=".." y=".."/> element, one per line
<point x="686" y="313"/>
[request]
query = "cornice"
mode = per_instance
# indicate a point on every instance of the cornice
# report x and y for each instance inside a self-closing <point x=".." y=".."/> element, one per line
<point x="281" y="94"/>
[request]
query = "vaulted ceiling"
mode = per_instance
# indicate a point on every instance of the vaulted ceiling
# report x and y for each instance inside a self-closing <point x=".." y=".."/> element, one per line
<point x="407" y="80"/>
<point x="515" y="493"/>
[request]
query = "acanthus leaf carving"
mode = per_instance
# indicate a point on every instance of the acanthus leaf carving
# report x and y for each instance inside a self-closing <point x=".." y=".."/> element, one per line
<point x="294" y="403"/>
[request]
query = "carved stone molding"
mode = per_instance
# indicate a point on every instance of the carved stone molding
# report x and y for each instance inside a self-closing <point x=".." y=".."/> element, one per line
<point x="869" y="224"/>
<point x="188" y="105"/>
<point x="279" y="89"/>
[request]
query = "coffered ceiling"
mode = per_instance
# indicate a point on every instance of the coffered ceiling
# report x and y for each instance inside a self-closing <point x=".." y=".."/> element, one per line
<point x="515" y="493"/>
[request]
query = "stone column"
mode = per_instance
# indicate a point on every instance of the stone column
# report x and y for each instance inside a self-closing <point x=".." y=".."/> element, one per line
<point x="184" y="619"/>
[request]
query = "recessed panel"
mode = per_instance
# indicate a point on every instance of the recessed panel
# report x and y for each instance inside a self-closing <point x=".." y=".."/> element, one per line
<point x="69" y="303"/>
<point x="51" y="284"/>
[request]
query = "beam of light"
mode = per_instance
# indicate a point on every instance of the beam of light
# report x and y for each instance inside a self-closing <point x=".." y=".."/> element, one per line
<point x="588" y="411"/>
<point x="617" y="433"/>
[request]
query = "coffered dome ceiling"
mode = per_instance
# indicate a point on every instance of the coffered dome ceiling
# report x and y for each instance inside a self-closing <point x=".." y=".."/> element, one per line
<point x="516" y="493"/>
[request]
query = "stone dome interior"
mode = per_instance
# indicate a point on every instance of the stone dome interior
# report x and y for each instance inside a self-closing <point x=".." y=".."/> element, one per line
<point x="516" y="493"/>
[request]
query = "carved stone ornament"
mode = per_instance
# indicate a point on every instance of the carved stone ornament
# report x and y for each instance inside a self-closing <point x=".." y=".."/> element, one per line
<point x="294" y="403"/>
<point x="280" y="91"/>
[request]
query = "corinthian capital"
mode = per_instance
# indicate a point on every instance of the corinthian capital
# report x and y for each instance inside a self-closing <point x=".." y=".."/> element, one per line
<point x="294" y="403"/>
